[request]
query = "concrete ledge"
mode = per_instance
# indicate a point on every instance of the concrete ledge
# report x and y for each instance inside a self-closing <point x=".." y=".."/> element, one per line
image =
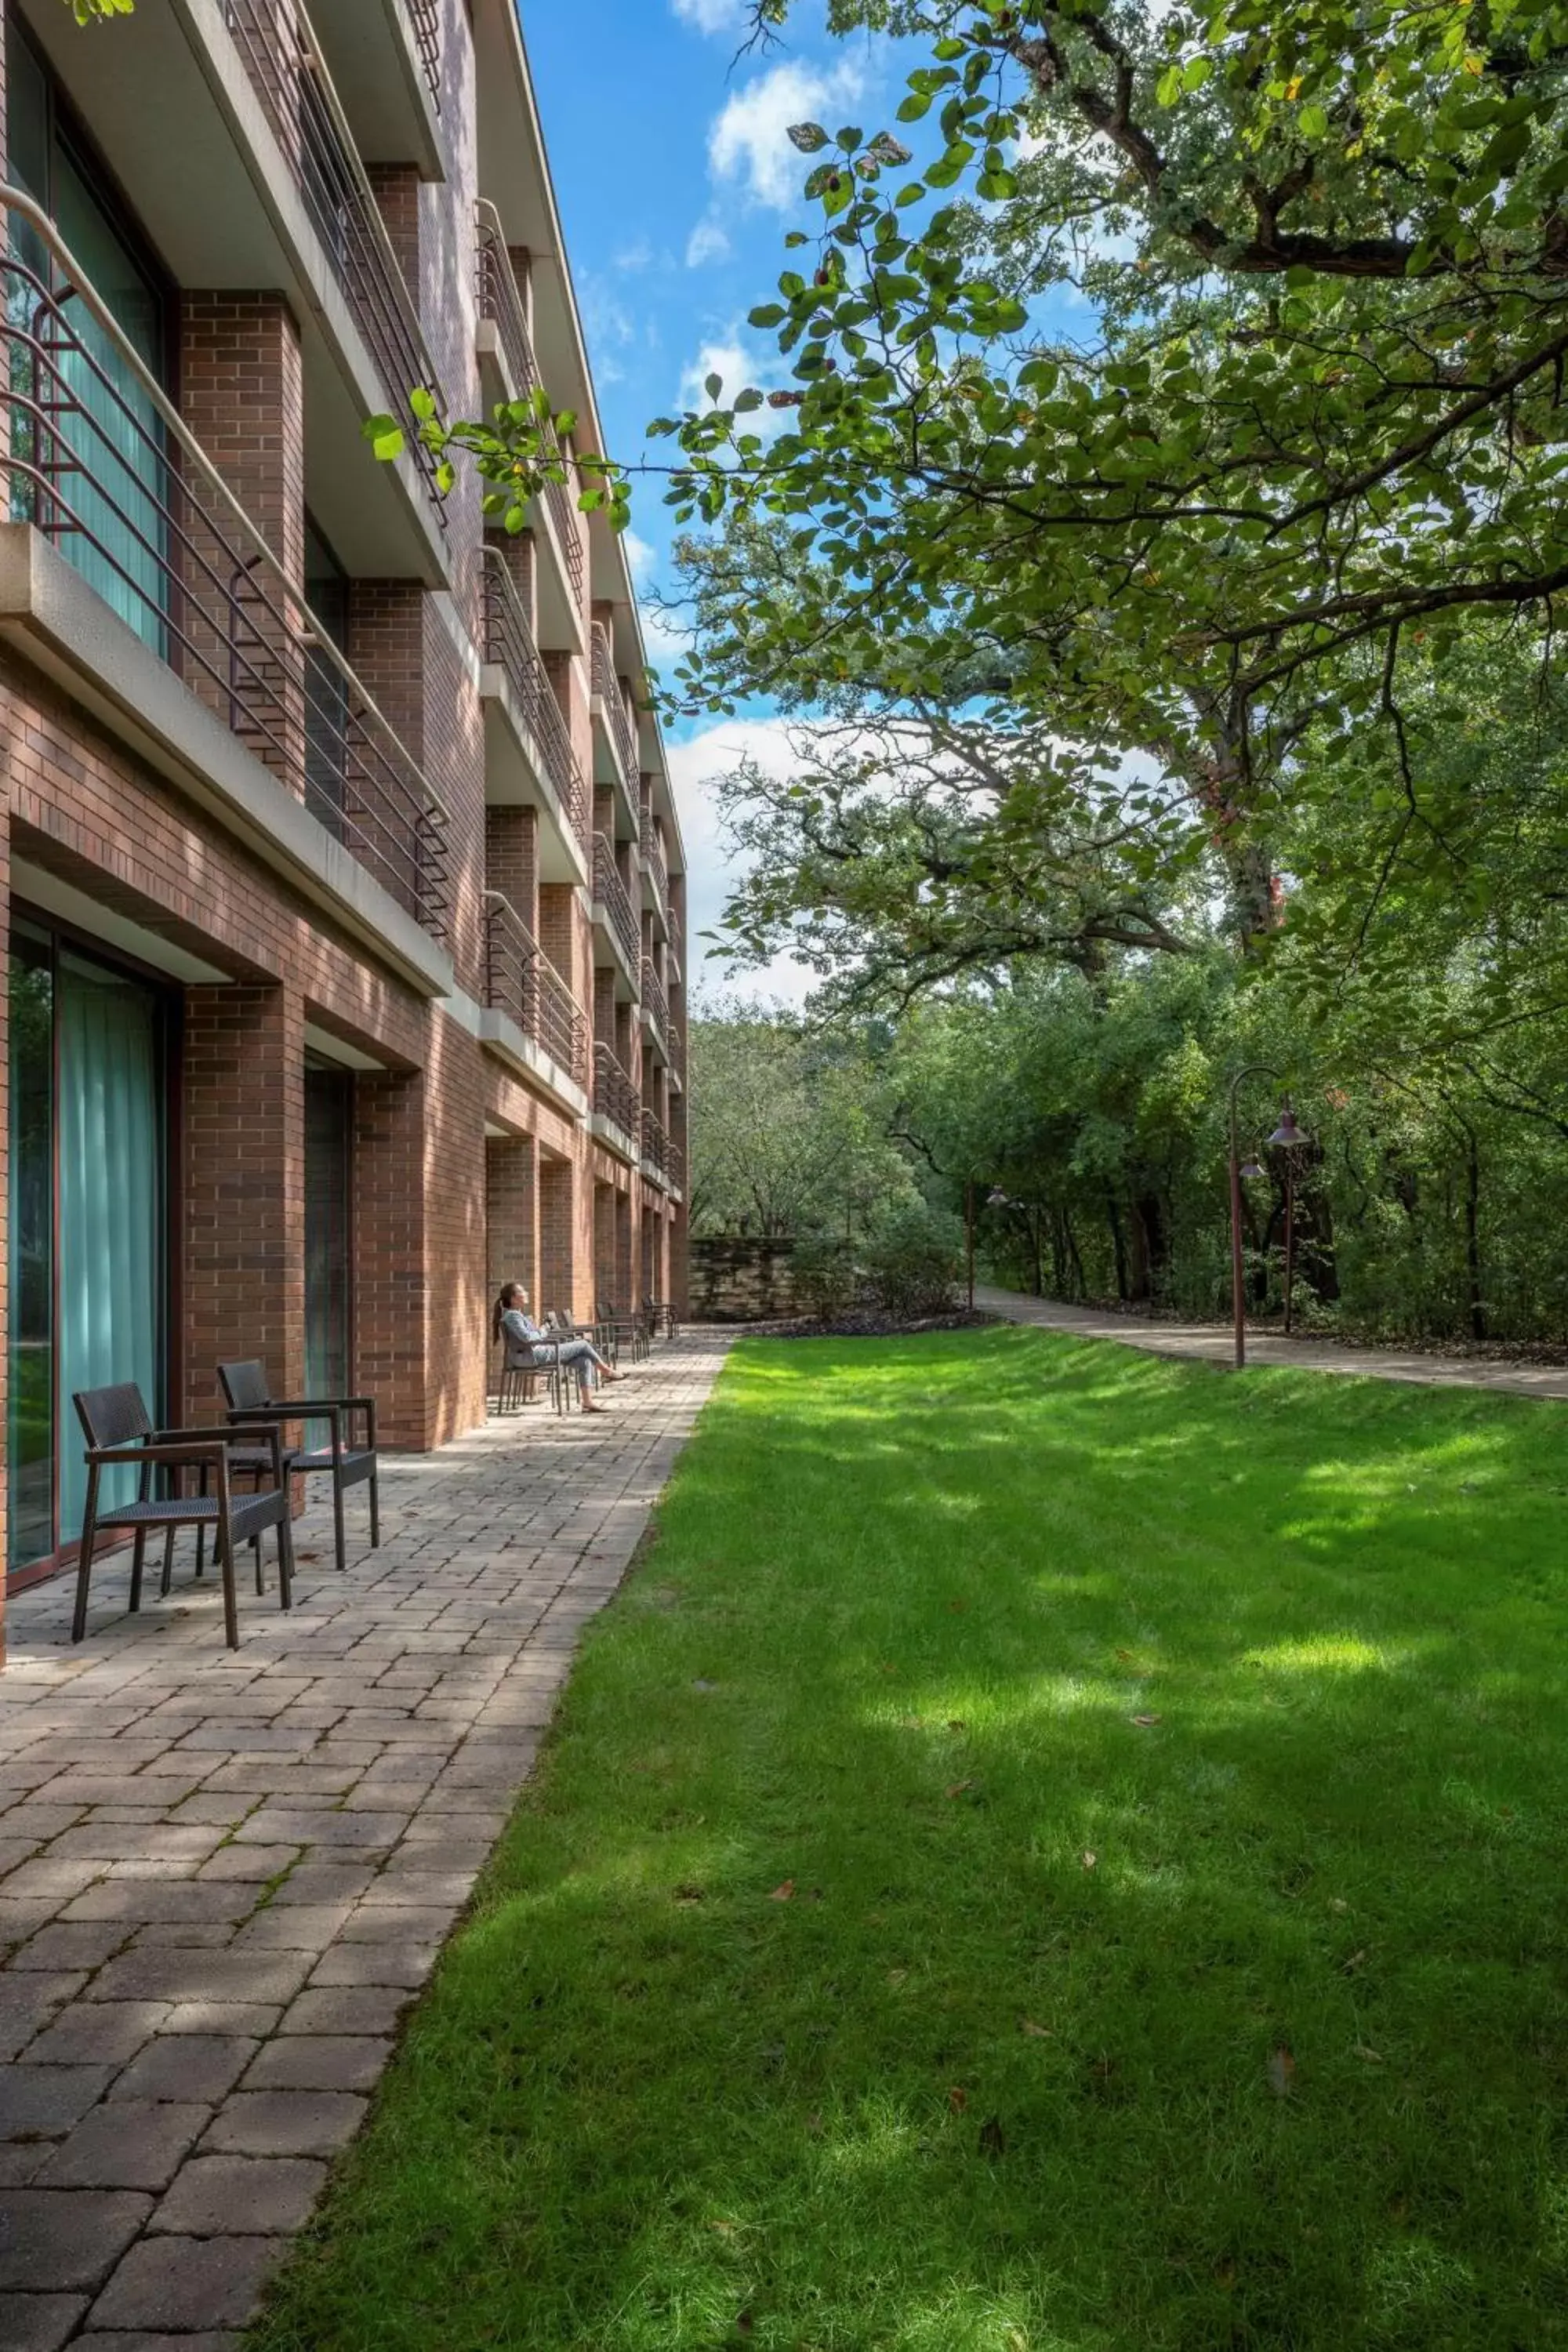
<point x="614" y="1139"/>
<point x="51" y="617"/>
<point x="501" y="1035"/>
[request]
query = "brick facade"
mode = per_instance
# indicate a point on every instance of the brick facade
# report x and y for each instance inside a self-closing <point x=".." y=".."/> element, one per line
<point x="463" y="1172"/>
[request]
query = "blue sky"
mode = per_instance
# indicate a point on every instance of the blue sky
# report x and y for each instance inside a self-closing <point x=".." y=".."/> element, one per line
<point x="676" y="181"/>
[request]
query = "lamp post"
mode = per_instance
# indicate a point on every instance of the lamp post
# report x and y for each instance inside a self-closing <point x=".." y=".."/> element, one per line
<point x="1286" y="1136"/>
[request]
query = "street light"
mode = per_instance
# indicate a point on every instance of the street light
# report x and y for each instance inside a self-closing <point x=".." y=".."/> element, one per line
<point x="1287" y="1136"/>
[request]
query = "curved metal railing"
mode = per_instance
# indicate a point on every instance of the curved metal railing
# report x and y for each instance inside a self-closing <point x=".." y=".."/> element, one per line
<point x="508" y="643"/>
<point x="289" y="76"/>
<point x="614" y="1096"/>
<point x="522" y="982"/>
<point x="500" y="299"/>
<point x="611" y="894"/>
<point x="99" y="460"/>
<point x="607" y="687"/>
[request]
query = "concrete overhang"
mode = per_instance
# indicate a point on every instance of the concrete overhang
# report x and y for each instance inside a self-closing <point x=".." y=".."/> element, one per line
<point x="501" y="1035"/>
<point x="51" y="617"/>
<point x="614" y="1139"/>
<point x="167" y="97"/>
<point x="516" y="777"/>
<point x="370" y="55"/>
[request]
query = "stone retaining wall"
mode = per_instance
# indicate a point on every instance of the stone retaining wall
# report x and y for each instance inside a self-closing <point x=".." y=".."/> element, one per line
<point x="741" y="1280"/>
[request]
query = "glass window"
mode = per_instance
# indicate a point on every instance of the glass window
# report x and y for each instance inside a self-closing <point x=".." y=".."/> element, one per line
<point x="81" y="415"/>
<point x="30" y="1390"/>
<point x="329" y="1163"/>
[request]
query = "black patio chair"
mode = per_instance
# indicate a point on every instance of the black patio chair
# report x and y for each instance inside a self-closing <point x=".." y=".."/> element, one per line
<point x="347" y="1464"/>
<point x="659" y="1312"/>
<point x="623" y="1331"/>
<point x="119" y="1429"/>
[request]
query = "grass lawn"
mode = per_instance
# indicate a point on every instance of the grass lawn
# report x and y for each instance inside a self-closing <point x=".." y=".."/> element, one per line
<point x="1052" y="1850"/>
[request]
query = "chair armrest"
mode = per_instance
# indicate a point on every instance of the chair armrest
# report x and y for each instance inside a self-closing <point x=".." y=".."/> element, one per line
<point x="215" y="1451"/>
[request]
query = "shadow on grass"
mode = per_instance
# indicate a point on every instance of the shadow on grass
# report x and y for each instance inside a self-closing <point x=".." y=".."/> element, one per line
<point x="1241" y="2024"/>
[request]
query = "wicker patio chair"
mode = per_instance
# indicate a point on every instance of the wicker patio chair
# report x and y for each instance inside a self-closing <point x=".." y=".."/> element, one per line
<point x="347" y="1464"/>
<point x="118" y="1428"/>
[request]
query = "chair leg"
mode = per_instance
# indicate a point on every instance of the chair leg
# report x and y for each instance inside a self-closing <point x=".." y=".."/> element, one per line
<point x="286" y="1555"/>
<point x="138" y="1559"/>
<point x="84" y="1562"/>
<point x="338" y="1519"/>
<point x="374" y="1508"/>
<point x="167" y="1577"/>
<point x="260" y="1587"/>
<point x="230" y="1606"/>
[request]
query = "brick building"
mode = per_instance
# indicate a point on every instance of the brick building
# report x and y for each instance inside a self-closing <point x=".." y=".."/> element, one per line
<point x="342" y="880"/>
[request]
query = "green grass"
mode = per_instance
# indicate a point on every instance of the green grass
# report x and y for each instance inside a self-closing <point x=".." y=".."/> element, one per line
<point x="964" y="2092"/>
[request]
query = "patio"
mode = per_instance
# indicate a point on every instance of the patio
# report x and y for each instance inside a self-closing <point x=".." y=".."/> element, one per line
<point x="229" y="1873"/>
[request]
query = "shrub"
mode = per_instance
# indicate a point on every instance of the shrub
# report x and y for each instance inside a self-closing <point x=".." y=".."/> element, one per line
<point x="827" y="1279"/>
<point x="911" y="1262"/>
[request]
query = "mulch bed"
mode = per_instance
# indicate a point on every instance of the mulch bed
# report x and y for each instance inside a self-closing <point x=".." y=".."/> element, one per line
<point x="868" y="1326"/>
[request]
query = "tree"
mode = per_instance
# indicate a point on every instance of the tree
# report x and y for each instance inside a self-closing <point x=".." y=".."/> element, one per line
<point x="784" y="1139"/>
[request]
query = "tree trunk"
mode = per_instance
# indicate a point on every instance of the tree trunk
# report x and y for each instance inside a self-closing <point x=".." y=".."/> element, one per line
<point x="1473" y="1236"/>
<point x="1119" y="1244"/>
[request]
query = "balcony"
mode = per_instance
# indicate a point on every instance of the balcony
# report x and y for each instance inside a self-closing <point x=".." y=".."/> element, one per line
<point x="656" y="1011"/>
<point x="612" y="912"/>
<point x="548" y="1039"/>
<point x="615" y="735"/>
<point x="616" y="1104"/>
<point x="528" y="747"/>
<point x="655" y="873"/>
<point x="662" y="1160"/>
<point x="290" y="77"/>
<point x="512" y="371"/>
<point x="132" y="574"/>
<point x="385" y="56"/>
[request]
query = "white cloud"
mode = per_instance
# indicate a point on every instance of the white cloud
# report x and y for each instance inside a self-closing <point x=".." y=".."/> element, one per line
<point x="750" y="140"/>
<point x="709" y="16"/>
<point x="709" y="241"/>
<point x="639" y="555"/>
<point x="709" y="868"/>
<point x="738" y="365"/>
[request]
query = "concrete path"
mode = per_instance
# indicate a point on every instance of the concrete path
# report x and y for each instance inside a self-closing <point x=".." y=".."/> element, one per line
<point x="1214" y="1345"/>
<point x="223" y="1875"/>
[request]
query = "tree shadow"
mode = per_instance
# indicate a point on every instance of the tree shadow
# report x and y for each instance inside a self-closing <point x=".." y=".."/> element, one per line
<point x="1053" y="1850"/>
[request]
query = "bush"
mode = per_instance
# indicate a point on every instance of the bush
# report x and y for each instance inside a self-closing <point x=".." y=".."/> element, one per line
<point x="910" y="1262"/>
<point x="827" y="1279"/>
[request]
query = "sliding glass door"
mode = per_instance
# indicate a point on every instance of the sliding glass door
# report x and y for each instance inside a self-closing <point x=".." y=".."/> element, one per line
<point x="89" y="1222"/>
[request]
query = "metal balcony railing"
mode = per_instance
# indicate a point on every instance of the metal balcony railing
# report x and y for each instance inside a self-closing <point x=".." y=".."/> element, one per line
<point x="615" y="1096"/>
<point x="611" y="894"/>
<point x="521" y="981"/>
<point x="660" y="1153"/>
<point x="500" y="299"/>
<point x="653" y="998"/>
<point x="509" y="643"/>
<point x="289" y="76"/>
<point x="101" y="462"/>
<point x="607" y="685"/>
<point x="655" y="864"/>
<point x="424" y="17"/>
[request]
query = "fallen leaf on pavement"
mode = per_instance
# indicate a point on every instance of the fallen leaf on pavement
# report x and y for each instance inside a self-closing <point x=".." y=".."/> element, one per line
<point x="783" y="1894"/>
<point x="1282" y="2071"/>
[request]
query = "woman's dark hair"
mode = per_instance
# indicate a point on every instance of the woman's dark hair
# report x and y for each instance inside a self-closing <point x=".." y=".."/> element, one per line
<point x="508" y="1291"/>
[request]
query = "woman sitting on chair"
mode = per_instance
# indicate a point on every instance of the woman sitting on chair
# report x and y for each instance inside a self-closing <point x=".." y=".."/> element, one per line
<point x="531" y="1350"/>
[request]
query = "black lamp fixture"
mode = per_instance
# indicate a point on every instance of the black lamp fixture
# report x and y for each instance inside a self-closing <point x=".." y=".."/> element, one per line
<point x="1250" y="1169"/>
<point x="998" y="1199"/>
<point x="1286" y="1134"/>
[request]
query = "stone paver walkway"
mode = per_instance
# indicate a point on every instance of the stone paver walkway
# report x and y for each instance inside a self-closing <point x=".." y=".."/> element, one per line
<point x="1214" y="1345"/>
<point x="223" y="1875"/>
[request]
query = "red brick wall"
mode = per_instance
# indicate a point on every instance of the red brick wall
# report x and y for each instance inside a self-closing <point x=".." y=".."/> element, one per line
<point x="559" y="1251"/>
<point x="242" y="1215"/>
